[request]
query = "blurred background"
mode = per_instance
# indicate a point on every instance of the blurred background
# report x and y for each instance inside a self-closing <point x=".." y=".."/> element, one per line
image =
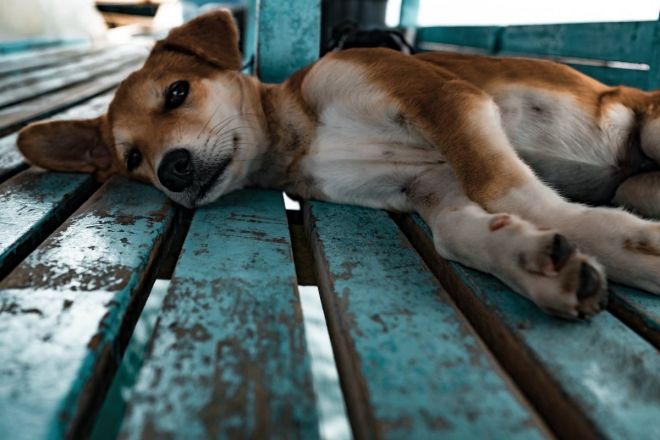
<point x="26" y="23"/>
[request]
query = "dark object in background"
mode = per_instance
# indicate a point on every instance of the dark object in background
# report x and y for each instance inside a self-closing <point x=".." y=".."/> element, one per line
<point x="348" y="35"/>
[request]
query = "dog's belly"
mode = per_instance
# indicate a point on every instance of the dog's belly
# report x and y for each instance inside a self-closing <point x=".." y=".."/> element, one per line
<point x="582" y="158"/>
<point x="361" y="163"/>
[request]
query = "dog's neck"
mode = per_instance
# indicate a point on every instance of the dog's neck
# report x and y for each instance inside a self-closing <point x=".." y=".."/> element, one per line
<point x="285" y="134"/>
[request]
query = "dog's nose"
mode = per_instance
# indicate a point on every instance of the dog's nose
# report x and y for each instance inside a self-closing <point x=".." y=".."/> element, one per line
<point x="175" y="171"/>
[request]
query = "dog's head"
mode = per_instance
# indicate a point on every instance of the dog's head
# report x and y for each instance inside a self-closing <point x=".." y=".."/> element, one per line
<point x="181" y="122"/>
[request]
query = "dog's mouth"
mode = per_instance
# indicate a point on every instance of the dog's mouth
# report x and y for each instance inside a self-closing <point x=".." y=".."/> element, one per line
<point x="213" y="180"/>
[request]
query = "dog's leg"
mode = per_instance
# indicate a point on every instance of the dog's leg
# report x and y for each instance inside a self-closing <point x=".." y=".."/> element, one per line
<point x="469" y="133"/>
<point x="640" y="193"/>
<point x="628" y="246"/>
<point x="539" y="264"/>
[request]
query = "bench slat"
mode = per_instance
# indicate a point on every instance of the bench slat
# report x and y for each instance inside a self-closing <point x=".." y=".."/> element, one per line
<point x="10" y="158"/>
<point x="229" y="357"/>
<point x="68" y="306"/>
<point x="32" y="200"/>
<point x="629" y="42"/>
<point x="25" y="61"/>
<point x="288" y="37"/>
<point x="600" y="370"/>
<point x="640" y="310"/>
<point x="475" y="37"/>
<point x="28" y="86"/>
<point x="15" y="116"/>
<point x="410" y="365"/>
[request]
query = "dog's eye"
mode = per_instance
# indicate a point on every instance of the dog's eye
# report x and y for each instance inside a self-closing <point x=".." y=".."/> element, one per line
<point x="176" y="94"/>
<point x="133" y="159"/>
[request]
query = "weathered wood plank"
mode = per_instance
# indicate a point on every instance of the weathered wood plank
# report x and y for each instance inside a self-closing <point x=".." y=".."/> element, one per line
<point x="229" y="357"/>
<point x="68" y="308"/>
<point x="615" y="77"/>
<point x="640" y="310"/>
<point x="628" y="42"/>
<point x="40" y="43"/>
<point x="15" y="116"/>
<point x="28" y="86"/>
<point x="410" y="366"/>
<point x="589" y="380"/>
<point x="10" y="158"/>
<point x="409" y="13"/>
<point x="483" y="38"/>
<point x="26" y="61"/>
<point x="32" y="204"/>
<point x="289" y="37"/>
<point x="654" y="76"/>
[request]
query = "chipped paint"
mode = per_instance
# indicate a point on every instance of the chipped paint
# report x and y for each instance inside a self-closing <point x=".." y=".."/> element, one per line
<point x="229" y="358"/>
<point x="605" y="368"/>
<point x="81" y="280"/>
<point x="424" y="372"/>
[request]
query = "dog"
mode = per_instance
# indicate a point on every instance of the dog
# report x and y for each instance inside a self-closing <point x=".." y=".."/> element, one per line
<point x="487" y="150"/>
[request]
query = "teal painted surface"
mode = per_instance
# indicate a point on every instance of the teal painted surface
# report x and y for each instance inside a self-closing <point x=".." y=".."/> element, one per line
<point x="62" y="309"/>
<point x="654" y="77"/>
<point x="17" y="88"/>
<point x="29" y="200"/>
<point x="605" y="367"/>
<point x="26" y="61"/>
<point x="288" y="38"/>
<point x="426" y="375"/>
<point x="7" y="47"/>
<point x="629" y="42"/>
<point x="229" y="357"/>
<point x="632" y="42"/>
<point x="643" y="307"/>
<point x="108" y="422"/>
<point x="14" y="116"/>
<point x="409" y="12"/>
<point x="479" y="37"/>
<point x="10" y="157"/>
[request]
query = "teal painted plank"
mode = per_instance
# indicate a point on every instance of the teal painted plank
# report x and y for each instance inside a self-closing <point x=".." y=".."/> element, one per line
<point x="477" y="37"/>
<point x="288" y="37"/>
<point x="229" y="358"/>
<point x="13" y="117"/>
<point x="615" y="77"/>
<point x="11" y="159"/>
<point x="638" y="309"/>
<point x="629" y="42"/>
<point x="654" y="77"/>
<point x="26" y="61"/>
<point x="66" y="308"/>
<point x="608" y="372"/>
<point x="7" y="47"/>
<point x="31" y="200"/>
<point x="111" y="414"/>
<point x="409" y="13"/>
<point x="416" y="369"/>
<point x="19" y="88"/>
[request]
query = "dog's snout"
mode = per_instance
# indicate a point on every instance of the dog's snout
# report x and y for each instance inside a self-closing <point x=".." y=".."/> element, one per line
<point x="175" y="171"/>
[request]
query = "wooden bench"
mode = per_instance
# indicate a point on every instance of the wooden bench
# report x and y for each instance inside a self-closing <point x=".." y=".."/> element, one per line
<point x="123" y="314"/>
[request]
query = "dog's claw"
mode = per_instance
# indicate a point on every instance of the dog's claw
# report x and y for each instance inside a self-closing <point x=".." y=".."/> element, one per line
<point x="561" y="251"/>
<point x="590" y="282"/>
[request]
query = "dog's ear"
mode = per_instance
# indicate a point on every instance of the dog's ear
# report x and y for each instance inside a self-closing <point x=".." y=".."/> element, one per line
<point x="212" y="36"/>
<point x="76" y="145"/>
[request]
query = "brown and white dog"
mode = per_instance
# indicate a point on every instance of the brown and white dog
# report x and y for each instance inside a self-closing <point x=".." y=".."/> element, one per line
<point x="452" y="137"/>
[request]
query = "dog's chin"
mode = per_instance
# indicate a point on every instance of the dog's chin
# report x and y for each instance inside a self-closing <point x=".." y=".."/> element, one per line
<point x="193" y="199"/>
